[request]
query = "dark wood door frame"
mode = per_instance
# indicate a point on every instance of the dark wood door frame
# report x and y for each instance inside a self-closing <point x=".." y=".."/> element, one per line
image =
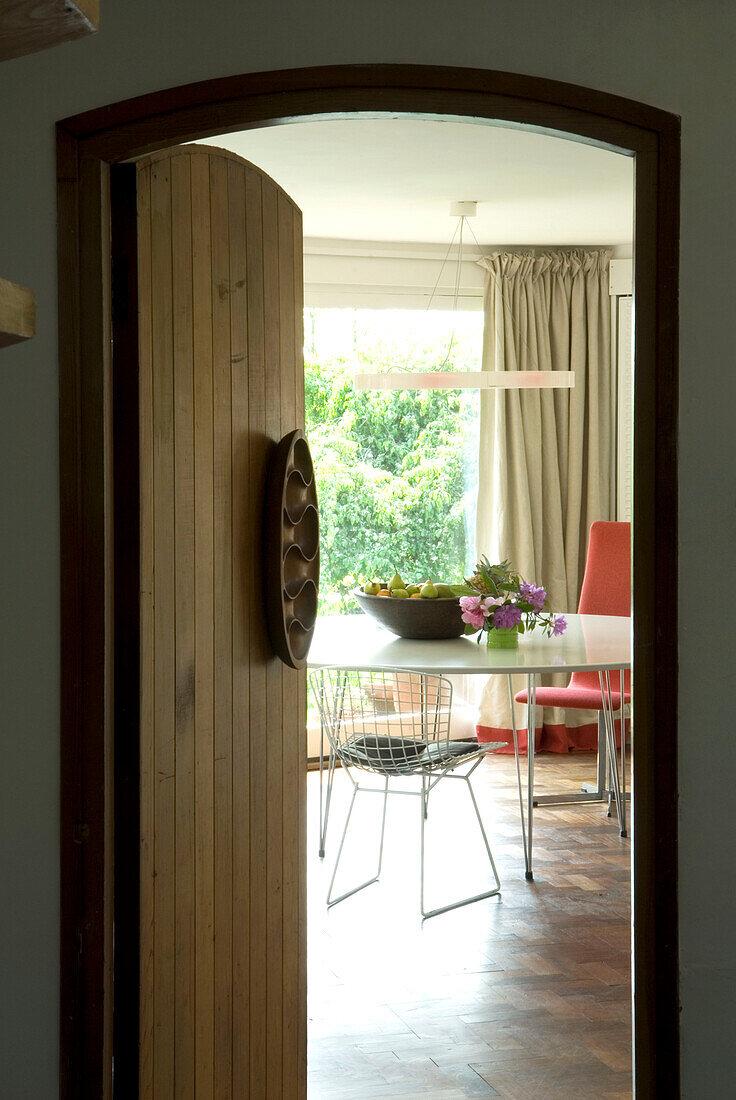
<point x="87" y="146"/>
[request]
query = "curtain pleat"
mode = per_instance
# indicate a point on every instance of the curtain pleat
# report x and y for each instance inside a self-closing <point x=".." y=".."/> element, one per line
<point x="546" y="456"/>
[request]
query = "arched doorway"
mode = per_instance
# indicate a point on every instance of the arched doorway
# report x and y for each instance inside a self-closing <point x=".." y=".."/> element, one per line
<point x="98" y="780"/>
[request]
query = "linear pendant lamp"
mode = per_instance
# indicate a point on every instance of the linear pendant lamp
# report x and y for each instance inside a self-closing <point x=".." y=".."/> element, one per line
<point x="464" y="380"/>
<point x="467" y="380"/>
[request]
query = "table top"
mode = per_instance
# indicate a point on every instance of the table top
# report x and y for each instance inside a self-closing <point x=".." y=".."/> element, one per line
<point x="357" y="641"/>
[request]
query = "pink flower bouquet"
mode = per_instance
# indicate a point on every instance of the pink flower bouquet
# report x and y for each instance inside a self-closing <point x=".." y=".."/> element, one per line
<point x="498" y="599"/>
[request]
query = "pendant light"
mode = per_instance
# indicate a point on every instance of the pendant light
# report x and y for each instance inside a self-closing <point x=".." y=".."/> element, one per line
<point x="457" y="380"/>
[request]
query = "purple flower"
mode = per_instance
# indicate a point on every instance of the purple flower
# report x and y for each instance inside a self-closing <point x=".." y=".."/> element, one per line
<point x="532" y="594"/>
<point x="560" y="626"/>
<point x="472" y="612"/>
<point x="507" y="616"/>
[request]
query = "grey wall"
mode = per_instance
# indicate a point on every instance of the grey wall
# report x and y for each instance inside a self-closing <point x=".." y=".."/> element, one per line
<point x="675" y="54"/>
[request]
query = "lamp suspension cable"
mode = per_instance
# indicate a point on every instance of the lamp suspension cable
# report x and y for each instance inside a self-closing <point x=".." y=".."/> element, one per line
<point x="456" y="295"/>
<point x="454" y="380"/>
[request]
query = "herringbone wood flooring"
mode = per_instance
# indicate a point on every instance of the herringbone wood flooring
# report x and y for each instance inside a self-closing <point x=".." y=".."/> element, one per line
<point x="526" y="995"/>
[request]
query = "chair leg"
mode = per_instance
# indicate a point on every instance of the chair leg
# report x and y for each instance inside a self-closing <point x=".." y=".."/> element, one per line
<point x="369" y="882"/>
<point x="324" y="803"/>
<point x="624" y="831"/>
<point x="325" y="791"/>
<point x="625" y="797"/>
<point x="611" y="738"/>
<point x="426" y="913"/>
<point x="607" y="780"/>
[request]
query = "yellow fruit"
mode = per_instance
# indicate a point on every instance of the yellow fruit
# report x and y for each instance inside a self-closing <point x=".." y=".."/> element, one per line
<point x="399" y="593"/>
<point x="384" y="592"/>
<point x="428" y="592"/>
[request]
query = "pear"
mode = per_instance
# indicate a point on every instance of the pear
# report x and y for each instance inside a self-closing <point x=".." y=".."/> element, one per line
<point x="413" y="589"/>
<point x="428" y="592"/>
<point x="444" y="592"/>
<point x="396" y="582"/>
<point x="371" y="588"/>
<point x="399" y="593"/>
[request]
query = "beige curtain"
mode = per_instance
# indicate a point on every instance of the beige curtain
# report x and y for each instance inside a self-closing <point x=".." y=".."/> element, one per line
<point x="546" y="456"/>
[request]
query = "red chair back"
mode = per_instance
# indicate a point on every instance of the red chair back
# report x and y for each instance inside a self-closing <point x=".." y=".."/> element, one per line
<point x="607" y="582"/>
<point x="606" y="585"/>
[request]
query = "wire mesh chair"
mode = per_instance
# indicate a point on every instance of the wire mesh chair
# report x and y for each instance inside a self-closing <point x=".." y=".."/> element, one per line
<point x="393" y="724"/>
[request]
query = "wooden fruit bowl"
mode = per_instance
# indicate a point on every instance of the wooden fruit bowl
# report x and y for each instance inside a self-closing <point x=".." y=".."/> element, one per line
<point x="420" y="619"/>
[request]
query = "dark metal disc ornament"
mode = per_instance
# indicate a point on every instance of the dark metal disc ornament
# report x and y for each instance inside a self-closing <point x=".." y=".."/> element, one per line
<point x="291" y="550"/>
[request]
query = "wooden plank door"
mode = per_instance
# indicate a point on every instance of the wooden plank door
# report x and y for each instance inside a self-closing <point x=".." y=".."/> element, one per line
<point x="222" y="721"/>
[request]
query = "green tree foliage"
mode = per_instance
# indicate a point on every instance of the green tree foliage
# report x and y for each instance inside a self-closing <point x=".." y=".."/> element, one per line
<point x="391" y="479"/>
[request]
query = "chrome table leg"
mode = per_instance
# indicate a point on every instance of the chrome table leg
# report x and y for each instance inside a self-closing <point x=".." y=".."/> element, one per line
<point x="531" y="688"/>
<point x="518" y="772"/>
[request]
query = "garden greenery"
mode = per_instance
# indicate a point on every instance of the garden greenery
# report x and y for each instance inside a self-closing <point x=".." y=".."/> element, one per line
<point x="393" y="477"/>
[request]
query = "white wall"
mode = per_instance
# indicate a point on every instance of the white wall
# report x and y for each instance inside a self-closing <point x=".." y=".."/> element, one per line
<point x="675" y="54"/>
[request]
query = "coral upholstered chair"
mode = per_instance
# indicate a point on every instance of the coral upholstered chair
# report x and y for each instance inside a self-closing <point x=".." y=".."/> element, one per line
<point x="606" y="591"/>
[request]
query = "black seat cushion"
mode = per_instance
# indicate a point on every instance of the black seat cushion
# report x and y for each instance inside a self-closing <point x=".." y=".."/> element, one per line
<point x="444" y="751"/>
<point x="394" y="755"/>
<point x="402" y="755"/>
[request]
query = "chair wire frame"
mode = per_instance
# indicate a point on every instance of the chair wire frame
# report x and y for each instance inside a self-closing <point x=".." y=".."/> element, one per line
<point x="390" y="724"/>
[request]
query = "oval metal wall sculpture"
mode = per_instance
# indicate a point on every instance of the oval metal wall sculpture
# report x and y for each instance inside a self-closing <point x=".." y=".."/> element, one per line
<point x="291" y="550"/>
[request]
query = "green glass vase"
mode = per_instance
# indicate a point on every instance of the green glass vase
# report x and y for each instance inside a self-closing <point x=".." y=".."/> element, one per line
<point x="502" y="638"/>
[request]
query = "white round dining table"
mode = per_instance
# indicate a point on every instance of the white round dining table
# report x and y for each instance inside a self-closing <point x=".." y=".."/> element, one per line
<point x="600" y="643"/>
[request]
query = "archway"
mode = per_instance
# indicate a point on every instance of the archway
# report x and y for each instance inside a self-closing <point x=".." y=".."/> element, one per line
<point x="95" y="698"/>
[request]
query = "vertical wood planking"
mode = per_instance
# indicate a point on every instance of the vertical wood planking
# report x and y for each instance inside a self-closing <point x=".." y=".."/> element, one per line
<point x="204" y="627"/>
<point x="182" y="307"/>
<point x="222" y="730"/>
<point x="242" y="553"/>
<point x="290" y="687"/>
<point x="147" y="855"/>
<point x="301" y="825"/>
<point x="274" y="670"/>
<point x="302" y="716"/>
<point x="164" y="983"/>
<point x="257" y="442"/>
<point x="223" y="630"/>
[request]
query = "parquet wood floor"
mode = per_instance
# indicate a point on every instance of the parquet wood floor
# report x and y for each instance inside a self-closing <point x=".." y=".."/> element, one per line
<point x="523" y="996"/>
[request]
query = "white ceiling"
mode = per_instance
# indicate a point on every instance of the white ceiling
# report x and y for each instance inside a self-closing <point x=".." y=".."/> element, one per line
<point x="392" y="179"/>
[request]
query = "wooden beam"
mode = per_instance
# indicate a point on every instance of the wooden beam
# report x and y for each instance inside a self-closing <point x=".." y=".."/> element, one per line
<point x="17" y="313"/>
<point x="28" y="27"/>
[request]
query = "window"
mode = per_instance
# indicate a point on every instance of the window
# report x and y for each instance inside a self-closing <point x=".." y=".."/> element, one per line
<point x="396" y="470"/>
